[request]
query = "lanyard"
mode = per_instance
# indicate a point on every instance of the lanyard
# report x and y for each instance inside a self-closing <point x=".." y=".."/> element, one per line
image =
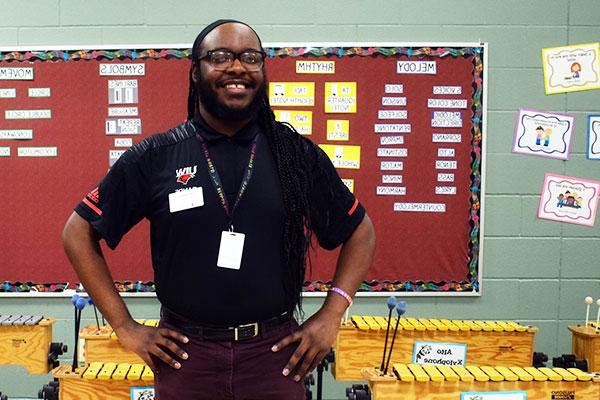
<point x="216" y="180"/>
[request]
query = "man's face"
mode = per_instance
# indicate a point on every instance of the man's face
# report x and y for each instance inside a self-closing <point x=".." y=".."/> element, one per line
<point x="234" y="93"/>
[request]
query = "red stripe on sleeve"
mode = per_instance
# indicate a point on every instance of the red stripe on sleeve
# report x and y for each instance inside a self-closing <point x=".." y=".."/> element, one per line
<point x="93" y="207"/>
<point x="351" y="210"/>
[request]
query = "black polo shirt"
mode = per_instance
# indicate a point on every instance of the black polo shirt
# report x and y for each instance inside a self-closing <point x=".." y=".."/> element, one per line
<point x="185" y="243"/>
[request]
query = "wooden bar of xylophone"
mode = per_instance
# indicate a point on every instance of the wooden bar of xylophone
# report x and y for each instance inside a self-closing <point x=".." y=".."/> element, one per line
<point x="102" y="381"/>
<point x="26" y="340"/>
<point x="429" y="382"/>
<point x="103" y="344"/>
<point x="359" y="343"/>
<point x="585" y="342"/>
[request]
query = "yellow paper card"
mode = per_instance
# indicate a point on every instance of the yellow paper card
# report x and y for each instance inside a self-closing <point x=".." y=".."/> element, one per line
<point x="301" y="120"/>
<point x="340" y="97"/>
<point x="343" y="157"/>
<point x="338" y="129"/>
<point x="349" y="184"/>
<point x="292" y="94"/>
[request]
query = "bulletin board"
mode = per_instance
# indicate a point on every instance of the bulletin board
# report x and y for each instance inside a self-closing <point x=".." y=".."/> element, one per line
<point x="402" y="123"/>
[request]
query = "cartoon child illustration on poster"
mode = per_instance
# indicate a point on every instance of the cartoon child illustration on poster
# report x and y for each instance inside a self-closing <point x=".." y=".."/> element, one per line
<point x="575" y="70"/>
<point x="543" y="134"/>
<point x="547" y="133"/>
<point x="538" y="137"/>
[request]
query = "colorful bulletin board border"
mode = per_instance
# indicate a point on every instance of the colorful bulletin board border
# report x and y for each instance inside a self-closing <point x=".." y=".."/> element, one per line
<point x="593" y="152"/>
<point x="571" y="68"/>
<point x="568" y="199"/>
<point x="539" y="133"/>
<point x="475" y="53"/>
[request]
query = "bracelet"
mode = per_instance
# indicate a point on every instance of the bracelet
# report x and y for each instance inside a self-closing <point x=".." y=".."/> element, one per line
<point x="343" y="294"/>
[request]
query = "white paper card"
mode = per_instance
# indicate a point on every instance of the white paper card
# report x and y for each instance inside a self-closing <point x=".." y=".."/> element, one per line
<point x="28" y="114"/>
<point x="113" y="156"/>
<point x="186" y="199"/>
<point x="4" y="151"/>
<point x="8" y="93"/>
<point x="446" y="119"/>
<point x="391" y="179"/>
<point x="447" y="90"/>
<point x="416" y="67"/>
<point x="37" y="151"/>
<point x="123" y="91"/>
<point x="122" y="111"/>
<point x="39" y="92"/>
<point x="392" y="114"/>
<point x="122" y="69"/>
<point x="438" y="353"/>
<point x="445" y="177"/>
<point x="391" y="166"/>
<point x="16" y="134"/>
<point x="16" y="73"/>
<point x="445" y="164"/>
<point x="123" y="126"/>
<point x="230" y="250"/>
<point x="447" y="103"/>
<point x="391" y="190"/>
<point x="123" y="142"/>
<point x="508" y="395"/>
<point x="391" y="152"/>
<point x="445" y="190"/>
<point x="392" y="128"/>
<point x="446" y="152"/>
<point x="393" y="101"/>
<point x="383" y="140"/>
<point x="420" y="207"/>
<point x="394" y="88"/>
<point x="446" y="138"/>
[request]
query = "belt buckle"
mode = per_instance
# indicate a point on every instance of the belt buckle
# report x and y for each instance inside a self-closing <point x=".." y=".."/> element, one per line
<point x="236" y="330"/>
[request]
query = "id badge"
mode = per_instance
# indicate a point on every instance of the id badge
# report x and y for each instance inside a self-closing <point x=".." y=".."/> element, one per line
<point x="230" y="250"/>
<point x="186" y="199"/>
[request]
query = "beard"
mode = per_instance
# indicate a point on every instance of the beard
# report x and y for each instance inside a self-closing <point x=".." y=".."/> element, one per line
<point x="217" y="109"/>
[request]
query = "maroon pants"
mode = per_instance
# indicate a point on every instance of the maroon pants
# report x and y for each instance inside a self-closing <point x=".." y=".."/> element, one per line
<point x="243" y="370"/>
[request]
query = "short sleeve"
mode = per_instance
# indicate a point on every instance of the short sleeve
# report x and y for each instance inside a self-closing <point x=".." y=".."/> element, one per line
<point x="335" y="211"/>
<point x="119" y="201"/>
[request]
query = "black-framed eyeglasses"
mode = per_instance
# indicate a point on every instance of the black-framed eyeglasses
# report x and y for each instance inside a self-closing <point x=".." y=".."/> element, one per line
<point x="222" y="59"/>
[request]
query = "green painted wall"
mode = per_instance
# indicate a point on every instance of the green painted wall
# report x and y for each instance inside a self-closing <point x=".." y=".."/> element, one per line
<point x="535" y="272"/>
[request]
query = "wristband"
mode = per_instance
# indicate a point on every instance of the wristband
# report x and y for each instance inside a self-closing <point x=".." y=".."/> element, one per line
<point x="343" y="294"/>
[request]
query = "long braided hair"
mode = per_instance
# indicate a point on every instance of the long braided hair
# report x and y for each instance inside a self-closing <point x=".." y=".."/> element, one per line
<point x="295" y="158"/>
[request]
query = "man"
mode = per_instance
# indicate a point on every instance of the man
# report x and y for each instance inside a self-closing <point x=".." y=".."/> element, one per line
<point x="233" y="198"/>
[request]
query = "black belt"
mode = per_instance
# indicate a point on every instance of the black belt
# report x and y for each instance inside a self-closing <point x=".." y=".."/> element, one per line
<point x="224" y="334"/>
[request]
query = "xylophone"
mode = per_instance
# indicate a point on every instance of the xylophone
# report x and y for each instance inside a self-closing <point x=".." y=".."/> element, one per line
<point x="103" y="344"/>
<point x="411" y="381"/>
<point x="106" y="381"/>
<point x="26" y="340"/>
<point x="359" y="343"/>
<point x="586" y="344"/>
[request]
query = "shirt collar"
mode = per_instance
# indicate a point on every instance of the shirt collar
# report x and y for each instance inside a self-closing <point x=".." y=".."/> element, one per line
<point x="208" y="133"/>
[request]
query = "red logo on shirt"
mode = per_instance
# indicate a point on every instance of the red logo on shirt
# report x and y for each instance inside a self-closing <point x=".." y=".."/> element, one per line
<point x="185" y="174"/>
<point x="94" y="196"/>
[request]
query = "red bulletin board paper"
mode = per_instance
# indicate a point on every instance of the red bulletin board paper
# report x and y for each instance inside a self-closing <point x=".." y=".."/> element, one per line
<point x="416" y="251"/>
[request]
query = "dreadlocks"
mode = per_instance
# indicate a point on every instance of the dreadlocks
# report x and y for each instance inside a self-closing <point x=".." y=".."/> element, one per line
<point x="296" y="161"/>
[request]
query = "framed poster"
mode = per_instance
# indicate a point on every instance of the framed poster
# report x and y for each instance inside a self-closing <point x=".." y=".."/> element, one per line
<point x="544" y="134"/>
<point x="568" y="199"/>
<point x="593" y="148"/>
<point x="571" y="68"/>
